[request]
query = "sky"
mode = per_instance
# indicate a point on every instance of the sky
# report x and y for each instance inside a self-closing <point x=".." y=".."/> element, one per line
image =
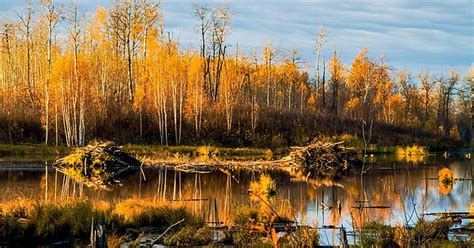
<point x="412" y="35"/>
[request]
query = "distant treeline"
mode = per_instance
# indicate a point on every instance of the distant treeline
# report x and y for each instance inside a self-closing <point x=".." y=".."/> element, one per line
<point x="120" y="75"/>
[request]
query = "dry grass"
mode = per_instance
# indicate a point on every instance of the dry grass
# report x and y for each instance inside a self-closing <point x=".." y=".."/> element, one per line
<point x="35" y="222"/>
<point x="21" y="207"/>
<point x="132" y="209"/>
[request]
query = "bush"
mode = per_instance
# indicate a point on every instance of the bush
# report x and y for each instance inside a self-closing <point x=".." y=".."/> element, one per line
<point x="378" y="235"/>
<point x="426" y="232"/>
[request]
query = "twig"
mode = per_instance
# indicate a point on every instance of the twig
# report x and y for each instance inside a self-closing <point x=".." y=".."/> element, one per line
<point x="167" y="229"/>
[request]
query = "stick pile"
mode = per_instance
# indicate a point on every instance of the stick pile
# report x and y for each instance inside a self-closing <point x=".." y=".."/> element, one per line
<point x="97" y="164"/>
<point x="320" y="160"/>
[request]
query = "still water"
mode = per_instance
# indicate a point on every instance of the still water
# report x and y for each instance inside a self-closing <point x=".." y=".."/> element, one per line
<point x="397" y="192"/>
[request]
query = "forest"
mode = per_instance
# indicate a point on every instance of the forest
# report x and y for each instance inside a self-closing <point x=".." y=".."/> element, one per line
<point x="67" y="79"/>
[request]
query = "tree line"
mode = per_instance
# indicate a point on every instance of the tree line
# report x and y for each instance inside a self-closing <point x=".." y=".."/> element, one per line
<point x="121" y="75"/>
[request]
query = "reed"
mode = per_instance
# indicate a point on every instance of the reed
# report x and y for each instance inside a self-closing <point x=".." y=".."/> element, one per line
<point x="28" y="222"/>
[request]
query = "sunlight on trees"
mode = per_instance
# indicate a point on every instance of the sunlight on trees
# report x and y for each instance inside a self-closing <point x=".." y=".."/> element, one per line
<point x="120" y="70"/>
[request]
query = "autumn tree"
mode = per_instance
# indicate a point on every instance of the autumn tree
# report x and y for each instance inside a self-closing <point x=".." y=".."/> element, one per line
<point x="427" y="84"/>
<point x="407" y="90"/>
<point x="119" y="74"/>
<point x="51" y="21"/>
<point x="268" y="56"/>
<point x="26" y="27"/>
<point x="336" y="69"/>
<point x="320" y="84"/>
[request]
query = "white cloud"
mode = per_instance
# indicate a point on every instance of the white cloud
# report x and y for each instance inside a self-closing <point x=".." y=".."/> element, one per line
<point x="410" y="34"/>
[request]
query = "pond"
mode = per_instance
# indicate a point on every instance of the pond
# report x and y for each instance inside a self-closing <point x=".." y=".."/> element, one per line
<point x="396" y="192"/>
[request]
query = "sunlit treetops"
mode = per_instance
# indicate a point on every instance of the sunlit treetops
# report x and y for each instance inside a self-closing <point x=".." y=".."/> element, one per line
<point x="120" y="69"/>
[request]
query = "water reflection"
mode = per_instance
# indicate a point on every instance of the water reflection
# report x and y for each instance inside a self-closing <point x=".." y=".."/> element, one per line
<point x="392" y="192"/>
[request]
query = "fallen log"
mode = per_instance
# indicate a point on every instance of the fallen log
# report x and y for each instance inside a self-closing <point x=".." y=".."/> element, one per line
<point x="98" y="164"/>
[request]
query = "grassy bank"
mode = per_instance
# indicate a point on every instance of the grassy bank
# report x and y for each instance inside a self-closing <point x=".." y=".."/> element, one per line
<point x="225" y="152"/>
<point x="32" y="149"/>
<point x="152" y="150"/>
<point x="27" y="222"/>
<point x="193" y="150"/>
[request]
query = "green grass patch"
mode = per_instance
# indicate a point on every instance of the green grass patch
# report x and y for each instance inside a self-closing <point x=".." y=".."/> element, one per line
<point x="192" y="150"/>
<point x="8" y="150"/>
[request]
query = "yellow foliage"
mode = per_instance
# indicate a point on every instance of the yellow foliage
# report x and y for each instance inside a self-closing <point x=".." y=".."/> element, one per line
<point x="445" y="181"/>
<point x="139" y="96"/>
<point x="264" y="188"/>
<point x="268" y="154"/>
<point x="454" y="133"/>
<point x="336" y="68"/>
<point x="20" y="207"/>
<point x="414" y="153"/>
<point x="102" y="206"/>
<point x="204" y="153"/>
<point x="352" y="104"/>
<point x="412" y="150"/>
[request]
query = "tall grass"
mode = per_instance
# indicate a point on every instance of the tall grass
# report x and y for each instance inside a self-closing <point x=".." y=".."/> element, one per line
<point x="27" y="221"/>
<point x="424" y="234"/>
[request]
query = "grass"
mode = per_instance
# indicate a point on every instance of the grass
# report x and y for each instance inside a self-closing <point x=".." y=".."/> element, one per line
<point x="155" y="150"/>
<point x="37" y="149"/>
<point x="423" y="234"/>
<point x="29" y="222"/>
<point x="192" y="150"/>
<point x="25" y="221"/>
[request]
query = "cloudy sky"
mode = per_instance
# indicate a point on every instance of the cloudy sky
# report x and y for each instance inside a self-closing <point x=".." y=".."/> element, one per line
<point x="414" y="35"/>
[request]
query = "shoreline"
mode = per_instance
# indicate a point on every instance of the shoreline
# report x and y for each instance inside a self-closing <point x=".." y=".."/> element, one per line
<point x="196" y="150"/>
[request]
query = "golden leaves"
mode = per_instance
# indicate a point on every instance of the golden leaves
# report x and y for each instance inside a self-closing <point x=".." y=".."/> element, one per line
<point x="445" y="181"/>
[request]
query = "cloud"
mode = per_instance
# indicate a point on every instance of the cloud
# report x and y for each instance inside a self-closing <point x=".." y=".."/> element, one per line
<point x="410" y="34"/>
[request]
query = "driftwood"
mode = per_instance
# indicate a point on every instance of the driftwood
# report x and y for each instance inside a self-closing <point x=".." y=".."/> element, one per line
<point x="320" y="160"/>
<point x="97" y="164"/>
<point x="453" y="215"/>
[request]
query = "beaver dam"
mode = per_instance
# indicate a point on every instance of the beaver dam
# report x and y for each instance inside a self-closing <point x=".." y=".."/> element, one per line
<point x="102" y="164"/>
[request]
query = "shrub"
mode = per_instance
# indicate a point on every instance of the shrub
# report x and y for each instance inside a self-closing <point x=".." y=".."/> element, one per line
<point x="426" y="232"/>
<point x="378" y="234"/>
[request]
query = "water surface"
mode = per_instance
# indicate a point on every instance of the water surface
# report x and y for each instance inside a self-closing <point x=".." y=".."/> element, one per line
<point x="398" y="192"/>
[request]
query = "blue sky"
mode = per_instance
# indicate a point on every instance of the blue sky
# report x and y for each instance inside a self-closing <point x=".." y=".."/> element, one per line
<point x="414" y="35"/>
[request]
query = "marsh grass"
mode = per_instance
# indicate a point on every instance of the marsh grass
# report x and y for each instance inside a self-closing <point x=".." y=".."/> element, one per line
<point x="34" y="222"/>
<point x="136" y="213"/>
<point x="424" y="234"/>
<point x="190" y="236"/>
<point x="257" y="230"/>
<point x="7" y="149"/>
<point x="192" y="151"/>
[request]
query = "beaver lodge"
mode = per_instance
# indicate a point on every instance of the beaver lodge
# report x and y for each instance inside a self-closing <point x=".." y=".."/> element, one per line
<point x="320" y="160"/>
<point x="101" y="164"/>
<point x="97" y="164"/>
